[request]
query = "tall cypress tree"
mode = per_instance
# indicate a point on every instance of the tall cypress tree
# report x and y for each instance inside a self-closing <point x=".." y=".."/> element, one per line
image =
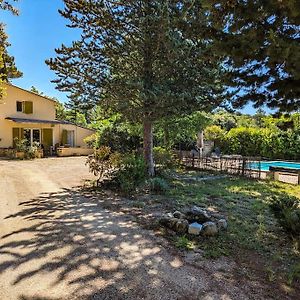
<point x="8" y="68"/>
<point x="146" y="59"/>
<point x="260" y="41"/>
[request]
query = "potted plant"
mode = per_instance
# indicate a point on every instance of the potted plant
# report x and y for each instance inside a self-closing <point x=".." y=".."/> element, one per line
<point x="20" y="148"/>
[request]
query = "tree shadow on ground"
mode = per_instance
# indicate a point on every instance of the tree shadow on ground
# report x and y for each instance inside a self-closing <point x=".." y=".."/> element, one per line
<point x="70" y="242"/>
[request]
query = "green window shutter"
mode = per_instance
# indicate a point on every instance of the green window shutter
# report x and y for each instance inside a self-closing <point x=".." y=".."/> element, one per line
<point x="47" y="139"/>
<point x="16" y="134"/>
<point x="64" y="137"/>
<point x="21" y="133"/>
<point x="28" y="107"/>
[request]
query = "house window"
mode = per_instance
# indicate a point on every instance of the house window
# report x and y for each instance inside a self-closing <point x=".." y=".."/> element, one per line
<point x="19" y="106"/>
<point x="68" y="138"/>
<point x="25" y="107"/>
<point x="32" y="136"/>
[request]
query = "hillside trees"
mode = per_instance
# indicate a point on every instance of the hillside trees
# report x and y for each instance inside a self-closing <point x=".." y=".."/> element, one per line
<point x="8" y="69"/>
<point x="149" y="60"/>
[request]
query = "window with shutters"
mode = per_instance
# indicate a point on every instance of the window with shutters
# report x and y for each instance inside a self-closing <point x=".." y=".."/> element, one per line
<point x="19" y="106"/>
<point x="25" y="107"/>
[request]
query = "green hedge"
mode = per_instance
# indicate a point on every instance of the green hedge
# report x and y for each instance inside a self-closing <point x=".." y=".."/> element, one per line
<point x="265" y="142"/>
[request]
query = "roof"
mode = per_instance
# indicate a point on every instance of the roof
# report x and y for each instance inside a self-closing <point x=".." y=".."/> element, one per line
<point x="45" y="97"/>
<point x="37" y="121"/>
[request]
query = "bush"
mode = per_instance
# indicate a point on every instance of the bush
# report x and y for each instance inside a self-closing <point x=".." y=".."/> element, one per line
<point x="164" y="158"/>
<point x="265" y="142"/>
<point x="287" y="210"/>
<point x="92" y="141"/>
<point x="103" y="163"/>
<point x="132" y="172"/>
<point x="158" y="185"/>
<point x="21" y="145"/>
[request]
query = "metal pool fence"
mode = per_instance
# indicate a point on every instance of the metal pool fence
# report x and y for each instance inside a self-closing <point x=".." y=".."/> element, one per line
<point x="229" y="164"/>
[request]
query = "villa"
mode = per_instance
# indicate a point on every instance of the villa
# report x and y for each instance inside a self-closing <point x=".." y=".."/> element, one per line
<point x="26" y="115"/>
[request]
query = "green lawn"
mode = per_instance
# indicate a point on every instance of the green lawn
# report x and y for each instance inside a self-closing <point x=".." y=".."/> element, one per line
<point x="253" y="232"/>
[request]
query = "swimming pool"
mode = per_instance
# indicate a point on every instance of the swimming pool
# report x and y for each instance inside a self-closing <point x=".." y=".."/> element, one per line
<point x="265" y="165"/>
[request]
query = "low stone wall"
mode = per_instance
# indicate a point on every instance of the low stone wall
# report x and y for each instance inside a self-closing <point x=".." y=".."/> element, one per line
<point x="7" y="152"/>
<point x="62" y="152"/>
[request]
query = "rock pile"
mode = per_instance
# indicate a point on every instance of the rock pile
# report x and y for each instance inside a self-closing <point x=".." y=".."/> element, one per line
<point x="194" y="220"/>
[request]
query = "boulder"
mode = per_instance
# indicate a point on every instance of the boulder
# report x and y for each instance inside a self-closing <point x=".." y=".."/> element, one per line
<point x="195" y="228"/>
<point x="168" y="220"/>
<point x="178" y="214"/>
<point x="222" y="224"/>
<point x="197" y="214"/>
<point x="182" y="226"/>
<point x="209" y="229"/>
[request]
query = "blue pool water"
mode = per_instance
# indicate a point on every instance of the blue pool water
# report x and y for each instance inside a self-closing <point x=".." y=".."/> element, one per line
<point x="265" y="165"/>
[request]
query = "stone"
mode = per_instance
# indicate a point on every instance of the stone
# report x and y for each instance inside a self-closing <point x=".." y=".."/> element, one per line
<point x="210" y="229"/>
<point x="178" y="214"/>
<point x="222" y="224"/>
<point x="197" y="214"/>
<point x="182" y="226"/>
<point x="195" y="228"/>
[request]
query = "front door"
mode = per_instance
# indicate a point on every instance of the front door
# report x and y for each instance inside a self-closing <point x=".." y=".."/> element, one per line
<point x="47" y="140"/>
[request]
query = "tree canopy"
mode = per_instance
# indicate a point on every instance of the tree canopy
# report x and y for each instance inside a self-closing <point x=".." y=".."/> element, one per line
<point x="260" y="43"/>
<point x="145" y="59"/>
<point x="8" y="68"/>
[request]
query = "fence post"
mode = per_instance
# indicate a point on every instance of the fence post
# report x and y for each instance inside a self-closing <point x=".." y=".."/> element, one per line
<point x="243" y="166"/>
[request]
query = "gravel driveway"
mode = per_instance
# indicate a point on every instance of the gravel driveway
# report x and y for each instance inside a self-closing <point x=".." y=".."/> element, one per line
<point x="57" y="242"/>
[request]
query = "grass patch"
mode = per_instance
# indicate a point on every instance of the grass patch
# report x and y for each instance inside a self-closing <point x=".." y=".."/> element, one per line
<point x="252" y="228"/>
<point x="182" y="242"/>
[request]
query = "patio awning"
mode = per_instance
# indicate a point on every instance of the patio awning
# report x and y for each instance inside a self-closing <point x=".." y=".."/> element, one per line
<point x="36" y="121"/>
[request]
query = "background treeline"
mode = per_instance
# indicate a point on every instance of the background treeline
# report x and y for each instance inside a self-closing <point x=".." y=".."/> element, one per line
<point x="234" y="133"/>
<point x="258" y="135"/>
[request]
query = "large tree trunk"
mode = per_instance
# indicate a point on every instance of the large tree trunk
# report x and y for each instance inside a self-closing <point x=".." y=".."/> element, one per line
<point x="148" y="146"/>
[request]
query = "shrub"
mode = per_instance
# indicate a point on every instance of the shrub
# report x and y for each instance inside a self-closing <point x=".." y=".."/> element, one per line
<point x="92" y="141"/>
<point x="287" y="210"/>
<point x="158" y="185"/>
<point x="21" y="145"/>
<point x="132" y="172"/>
<point x="103" y="163"/>
<point x="164" y="158"/>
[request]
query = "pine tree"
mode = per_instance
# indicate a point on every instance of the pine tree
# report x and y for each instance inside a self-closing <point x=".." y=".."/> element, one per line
<point x="260" y="42"/>
<point x="8" y="68"/>
<point x="146" y="59"/>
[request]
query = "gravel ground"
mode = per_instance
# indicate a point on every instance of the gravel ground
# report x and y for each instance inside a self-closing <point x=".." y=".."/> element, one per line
<point x="57" y="242"/>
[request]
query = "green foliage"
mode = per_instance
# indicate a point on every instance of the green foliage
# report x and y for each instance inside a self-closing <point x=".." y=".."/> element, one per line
<point x="158" y="185"/>
<point x="264" y="142"/>
<point x="182" y="242"/>
<point x="294" y="274"/>
<point x="103" y="163"/>
<point x="121" y="136"/>
<point x="131" y="173"/>
<point x="8" y="68"/>
<point x="164" y="159"/>
<point x="260" y="40"/>
<point x="146" y="60"/>
<point x="92" y="141"/>
<point x="21" y="145"/>
<point x="214" y="133"/>
<point x="180" y="132"/>
<point x="287" y="210"/>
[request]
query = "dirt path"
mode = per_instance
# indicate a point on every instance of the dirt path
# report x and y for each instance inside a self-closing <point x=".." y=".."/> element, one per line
<point x="58" y="243"/>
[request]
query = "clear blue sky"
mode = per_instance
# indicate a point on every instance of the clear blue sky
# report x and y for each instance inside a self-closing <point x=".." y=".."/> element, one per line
<point x="34" y="35"/>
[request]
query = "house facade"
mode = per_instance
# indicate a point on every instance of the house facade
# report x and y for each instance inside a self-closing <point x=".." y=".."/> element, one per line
<point x="26" y="115"/>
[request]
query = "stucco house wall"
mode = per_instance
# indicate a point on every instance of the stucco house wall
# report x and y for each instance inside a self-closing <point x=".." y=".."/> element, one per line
<point x="43" y="110"/>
